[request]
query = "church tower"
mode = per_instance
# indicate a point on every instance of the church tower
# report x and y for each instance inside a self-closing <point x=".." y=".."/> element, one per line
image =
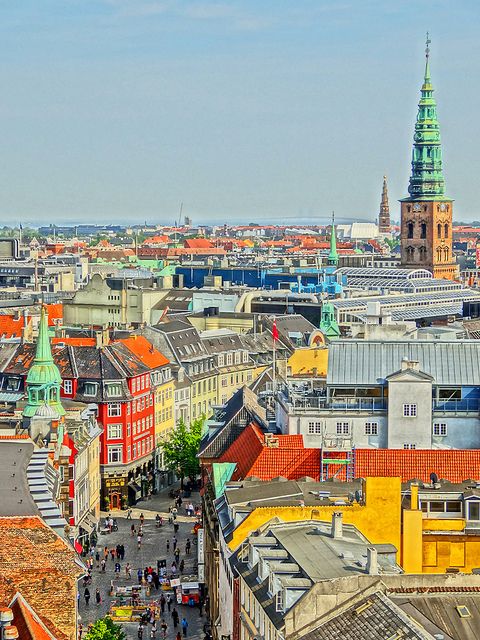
<point x="384" y="215"/>
<point x="43" y="379"/>
<point x="426" y="215"/>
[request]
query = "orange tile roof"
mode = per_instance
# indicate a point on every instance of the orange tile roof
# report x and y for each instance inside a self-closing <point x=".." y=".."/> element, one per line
<point x="75" y="342"/>
<point x="254" y="458"/>
<point x="455" y="465"/>
<point x="10" y="326"/>
<point x="35" y="561"/>
<point x="145" y="351"/>
<point x="55" y="312"/>
<point x="198" y="243"/>
<point x="27" y="622"/>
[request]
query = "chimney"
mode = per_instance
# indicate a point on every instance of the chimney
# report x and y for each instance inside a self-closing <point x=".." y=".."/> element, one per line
<point x="337" y="525"/>
<point x="413" y="365"/>
<point x="372" y="561"/>
<point x="414" y="496"/>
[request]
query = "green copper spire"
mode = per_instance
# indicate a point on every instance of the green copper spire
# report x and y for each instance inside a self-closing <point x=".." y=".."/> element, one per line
<point x="332" y="260"/>
<point x="328" y="324"/>
<point x="43" y="379"/>
<point x="426" y="181"/>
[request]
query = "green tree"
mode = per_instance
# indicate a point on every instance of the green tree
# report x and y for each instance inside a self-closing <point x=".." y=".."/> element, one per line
<point x="181" y="449"/>
<point x="105" y="629"/>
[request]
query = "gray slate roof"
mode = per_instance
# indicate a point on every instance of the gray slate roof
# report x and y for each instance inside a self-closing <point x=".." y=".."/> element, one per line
<point x="379" y="621"/>
<point x="362" y="362"/>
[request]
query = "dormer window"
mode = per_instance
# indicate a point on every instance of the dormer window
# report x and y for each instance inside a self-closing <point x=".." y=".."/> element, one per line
<point x="13" y="384"/>
<point x="279" y="601"/>
<point x="90" y="388"/>
<point x="114" y="390"/>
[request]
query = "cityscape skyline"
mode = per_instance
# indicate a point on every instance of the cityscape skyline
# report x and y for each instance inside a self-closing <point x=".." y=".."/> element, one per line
<point x="120" y="111"/>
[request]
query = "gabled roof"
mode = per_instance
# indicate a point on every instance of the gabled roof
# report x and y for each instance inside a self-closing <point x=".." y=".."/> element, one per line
<point x="287" y="458"/>
<point x="27" y="622"/>
<point x="145" y="351"/>
<point x="35" y="561"/>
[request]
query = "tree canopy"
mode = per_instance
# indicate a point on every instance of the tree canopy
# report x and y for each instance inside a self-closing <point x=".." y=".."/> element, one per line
<point x="181" y="448"/>
<point x="105" y="629"/>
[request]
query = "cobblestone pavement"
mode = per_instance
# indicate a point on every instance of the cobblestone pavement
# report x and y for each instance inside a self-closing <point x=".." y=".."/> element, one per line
<point x="153" y="547"/>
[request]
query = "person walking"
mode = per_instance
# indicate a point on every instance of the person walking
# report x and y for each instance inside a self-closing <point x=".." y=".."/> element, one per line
<point x="153" y="632"/>
<point x="140" y="576"/>
<point x="175" y="617"/>
<point x="169" y="602"/>
<point x="140" y="631"/>
<point x="177" y="554"/>
<point x="129" y="514"/>
<point x="184" y="627"/>
<point x="178" y="636"/>
<point x="188" y="546"/>
<point x="164" y="628"/>
<point x="117" y="568"/>
<point x="181" y="566"/>
<point x="142" y="519"/>
<point x="175" y="527"/>
<point x="86" y="595"/>
<point x="168" y="545"/>
<point x="132" y="530"/>
<point x="174" y="542"/>
<point x="103" y="565"/>
<point x="97" y="558"/>
<point x="98" y="597"/>
<point x="139" y="541"/>
<point x="162" y="603"/>
<point x="128" y="571"/>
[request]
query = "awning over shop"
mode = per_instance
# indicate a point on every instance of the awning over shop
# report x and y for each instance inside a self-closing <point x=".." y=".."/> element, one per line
<point x="78" y="546"/>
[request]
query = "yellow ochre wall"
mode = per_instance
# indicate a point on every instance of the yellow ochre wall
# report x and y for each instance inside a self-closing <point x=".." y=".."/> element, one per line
<point x="378" y="519"/>
<point x="304" y="361"/>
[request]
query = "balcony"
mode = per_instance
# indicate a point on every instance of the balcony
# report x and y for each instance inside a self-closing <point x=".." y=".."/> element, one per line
<point x="464" y="405"/>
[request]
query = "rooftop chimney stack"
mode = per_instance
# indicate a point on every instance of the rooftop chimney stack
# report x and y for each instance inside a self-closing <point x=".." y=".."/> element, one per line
<point x="337" y="525"/>
<point x="372" y="561"/>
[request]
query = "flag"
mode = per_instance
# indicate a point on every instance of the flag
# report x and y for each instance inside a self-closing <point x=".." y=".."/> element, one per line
<point x="275" y="331"/>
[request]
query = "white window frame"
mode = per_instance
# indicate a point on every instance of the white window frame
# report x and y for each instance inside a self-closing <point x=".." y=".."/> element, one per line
<point x="440" y="429"/>
<point x="114" y="410"/>
<point x="115" y="431"/>
<point x="343" y="428"/>
<point x="115" y="449"/>
<point x="371" y="428"/>
<point x="94" y="386"/>
<point x="410" y="410"/>
<point x="67" y="387"/>
<point x="315" y="427"/>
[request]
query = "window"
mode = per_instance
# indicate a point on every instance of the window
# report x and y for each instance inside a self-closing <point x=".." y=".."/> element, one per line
<point x="90" y="388"/>
<point x="114" y="390"/>
<point x="423" y="230"/>
<point x="229" y="358"/>
<point x="129" y="453"/>
<point x="409" y="445"/>
<point x="279" y="601"/>
<point x="410" y="230"/>
<point x="315" y="427"/>
<point x="114" y="410"/>
<point x="134" y="386"/>
<point x="221" y="361"/>
<point x="409" y="410"/>
<point x="343" y="428"/>
<point x="129" y="428"/>
<point x="440" y="429"/>
<point x="114" y="454"/>
<point x="67" y="386"/>
<point x="128" y="408"/>
<point x="134" y="450"/>
<point x="114" y="431"/>
<point x="371" y="428"/>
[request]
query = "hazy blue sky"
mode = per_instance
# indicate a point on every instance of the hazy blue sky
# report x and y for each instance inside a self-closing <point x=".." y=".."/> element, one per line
<point x="116" y="110"/>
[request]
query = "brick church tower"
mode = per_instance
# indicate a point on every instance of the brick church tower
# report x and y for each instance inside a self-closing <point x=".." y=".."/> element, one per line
<point x="426" y="215"/>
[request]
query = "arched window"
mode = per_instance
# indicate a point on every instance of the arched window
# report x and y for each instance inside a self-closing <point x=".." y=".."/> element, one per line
<point x="410" y="254"/>
<point x="439" y="230"/>
<point x="423" y="231"/>
<point x="445" y="253"/>
<point x="439" y="254"/>
<point x="423" y="253"/>
<point x="410" y="230"/>
<point x="445" y="227"/>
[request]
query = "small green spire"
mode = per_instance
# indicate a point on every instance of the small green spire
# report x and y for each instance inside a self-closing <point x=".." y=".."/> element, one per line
<point x="427" y="181"/>
<point x="328" y="323"/>
<point x="43" y="379"/>
<point x="332" y="260"/>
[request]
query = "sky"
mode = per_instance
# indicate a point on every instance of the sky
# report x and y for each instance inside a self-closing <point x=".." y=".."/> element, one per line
<point x="245" y="111"/>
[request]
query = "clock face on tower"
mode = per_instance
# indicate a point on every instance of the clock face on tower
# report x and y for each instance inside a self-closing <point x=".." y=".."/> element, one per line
<point x="443" y="206"/>
<point x="417" y="206"/>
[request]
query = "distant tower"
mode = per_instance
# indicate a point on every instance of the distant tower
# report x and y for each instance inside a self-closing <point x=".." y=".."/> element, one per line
<point x="332" y="259"/>
<point x="426" y="215"/>
<point x="384" y="215"/>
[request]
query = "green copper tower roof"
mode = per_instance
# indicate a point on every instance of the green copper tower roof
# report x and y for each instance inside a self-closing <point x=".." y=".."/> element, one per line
<point x="426" y="181"/>
<point x="332" y="260"/>
<point x="43" y="379"/>
<point x="328" y="324"/>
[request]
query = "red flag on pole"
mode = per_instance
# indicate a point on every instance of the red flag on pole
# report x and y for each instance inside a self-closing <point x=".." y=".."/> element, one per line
<point x="275" y="331"/>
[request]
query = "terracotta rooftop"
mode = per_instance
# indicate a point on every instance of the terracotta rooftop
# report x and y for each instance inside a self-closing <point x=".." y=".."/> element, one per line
<point x="40" y="565"/>
<point x="145" y="351"/>
<point x="28" y="623"/>
<point x="285" y="456"/>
